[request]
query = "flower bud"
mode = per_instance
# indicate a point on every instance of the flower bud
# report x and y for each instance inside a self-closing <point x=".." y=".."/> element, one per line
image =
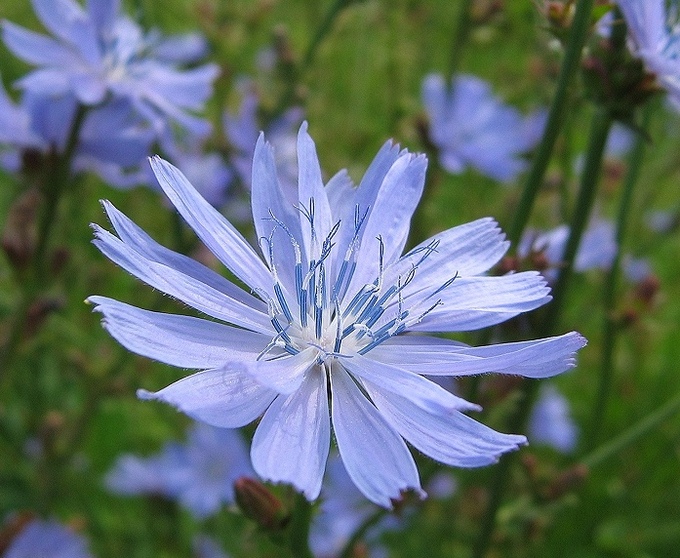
<point x="19" y="236"/>
<point x="259" y="504"/>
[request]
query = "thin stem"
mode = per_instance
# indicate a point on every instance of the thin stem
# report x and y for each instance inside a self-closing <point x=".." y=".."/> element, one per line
<point x="635" y="432"/>
<point x="572" y="56"/>
<point x="599" y="131"/>
<point x="359" y="534"/>
<point x="54" y="187"/>
<point x="460" y="37"/>
<point x="299" y="528"/>
<point x="299" y="71"/>
<point x="610" y="326"/>
<point x="600" y="127"/>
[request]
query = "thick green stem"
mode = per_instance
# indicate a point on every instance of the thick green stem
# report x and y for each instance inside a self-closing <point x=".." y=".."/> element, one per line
<point x="572" y="56"/>
<point x="299" y="528"/>
<point x="610" y="326"/>
<point x="600" y="127"/>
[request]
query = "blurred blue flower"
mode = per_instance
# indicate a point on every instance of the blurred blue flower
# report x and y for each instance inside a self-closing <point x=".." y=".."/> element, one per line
<point x="199" y="474"/>
<point x="653" y="26"/>
<point x="550" y="422"/>
<point x="342" y="511"/>
<point x="112" y="140"/>
<point x="471" y="127"/>
<point x="242" y="130"/>
<point x="205" y="547"/>
<point x="96" y="51"/>
<point x="597" y="249"/>
<point x="47" y="538"/>
<point x="332" y="305"/>
<point x="206" y="171"/>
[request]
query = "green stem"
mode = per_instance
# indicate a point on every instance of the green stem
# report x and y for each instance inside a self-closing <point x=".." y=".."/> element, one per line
<point x="54" y="186"/>
<point x="599" y="131"/>
<point x="310" y="53"/>
<point x="610" y="326"/>
<point x="572" y="56"/>
<point x="299" y="528"/>
<point x="460" y="37"/>
<point x="359" y="534"/>
<point x="635" y="432"/>
<point x="600" y="127"/>
<point x="502" y="472"/>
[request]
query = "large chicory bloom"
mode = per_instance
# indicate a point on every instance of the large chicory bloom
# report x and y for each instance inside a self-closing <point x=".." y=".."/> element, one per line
<point x="656" y="36"/>
<point x="333" y="330"/>
<point x="472" y="127"/>
<point x="96" y="51"/>
<point x="47" y="538"/>
<point x="199" y="474"/>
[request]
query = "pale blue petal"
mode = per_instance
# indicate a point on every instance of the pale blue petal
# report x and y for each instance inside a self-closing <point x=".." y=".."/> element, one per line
<point x="221" y="238"/>
<point x="140" y="242"/>
<point x="276" y="222"/>
<point x="471" y="303"/>
<point x="439" y="357"/>
<point x="420" y="391"/>
<point x="224" y="397"/>
<point x="464" y="250"/>
<point x="376" y="458"/>
<point x="389" y="218"/>
<point x="434" y="97"/>
<point x="103" y="13"/>
<point x="47" y="82"/>
<point x="362" y="198"/>
<point x="67" y="20"/>
<point x="310" y="187"/>
<point x="47" y="538"/>
<point x="292" y="440"/>
<point x="181" y="49"/>
<point x="454" y="439"/>
<point x="88" y="87"/>
<point x="283" y="374"/>
<point x="188" y="89"/>
<point x="182" y="341"/>
<point x="35" y="48"/>
<point x="181" y="286"/>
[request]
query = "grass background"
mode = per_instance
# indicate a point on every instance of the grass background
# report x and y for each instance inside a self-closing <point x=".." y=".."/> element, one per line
<point x="72" y="387"/>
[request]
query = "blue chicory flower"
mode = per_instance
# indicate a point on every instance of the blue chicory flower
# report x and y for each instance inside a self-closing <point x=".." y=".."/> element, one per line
<point x="334" y="310"/>
<point x="206" y="171"/>
<point x="550" y="422"/>
<point x="597" y="250"/>
<point x="112" y="140"/>
<point x="205" y="547"/>
<point x="199" y="474"/>
<point x="471" y="127"/>
<point x="47" y="538"/>
<point x="653" y="27"/>
<point x="342" y="511"/>
<point x="96" y="51"/>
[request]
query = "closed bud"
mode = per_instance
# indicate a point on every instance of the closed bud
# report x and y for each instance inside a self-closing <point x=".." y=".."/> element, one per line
<point x="19" y="237"/>
<point x="258" y="503"/>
